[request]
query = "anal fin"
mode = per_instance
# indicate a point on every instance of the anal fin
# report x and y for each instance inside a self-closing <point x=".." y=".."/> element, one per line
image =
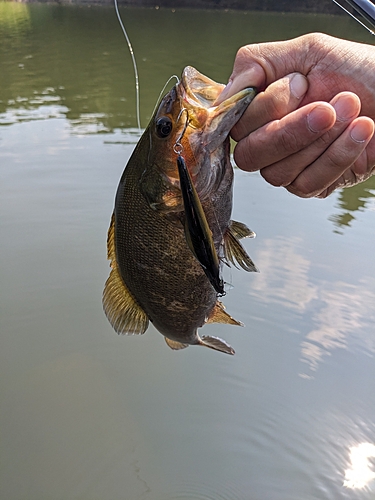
<point x="122" y="311"/>
<point x="176" y="346"/>
<point x="217" y="344"/>
<point x="219" y="315"/>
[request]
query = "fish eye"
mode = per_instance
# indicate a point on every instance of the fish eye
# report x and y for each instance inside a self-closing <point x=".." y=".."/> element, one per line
<point x="163" y="127"/>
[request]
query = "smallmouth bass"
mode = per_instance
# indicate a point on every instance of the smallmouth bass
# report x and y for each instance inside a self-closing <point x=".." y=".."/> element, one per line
<point x="171" y="230"/>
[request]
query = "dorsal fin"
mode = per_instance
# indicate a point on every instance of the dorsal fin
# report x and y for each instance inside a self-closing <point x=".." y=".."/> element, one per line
<point x="219" y="315"/>
<point x="235" y="252"/>
<point x="176" y="346"/>
<point x="122" y="311"/>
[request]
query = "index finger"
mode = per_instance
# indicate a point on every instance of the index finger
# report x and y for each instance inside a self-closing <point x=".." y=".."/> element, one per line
<point x="278" y="99"/>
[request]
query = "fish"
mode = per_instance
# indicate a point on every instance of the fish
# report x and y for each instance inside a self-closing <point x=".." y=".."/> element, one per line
<point x="171" y="231"/>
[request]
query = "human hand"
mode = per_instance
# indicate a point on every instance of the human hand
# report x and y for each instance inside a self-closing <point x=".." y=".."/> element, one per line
<point x="310" y="128"/>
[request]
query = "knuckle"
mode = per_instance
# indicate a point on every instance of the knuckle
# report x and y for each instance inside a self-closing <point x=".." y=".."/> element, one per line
<point x="245" y="54"/>
<point x="325" y="193"/>
<point x="240" y="130"/>
<point x="317" y="39"/>
<point x="290" y="141"/>
<point x="337" y="160"/>
<point x="363" y="166"/>
<point x="244" y="157"/>
<point x="305" y="185"/>
<point x="324" y="141"/>
<point x="301" y="188"/>
<point x="276" y="107"/>
<point x="273" y="176"/>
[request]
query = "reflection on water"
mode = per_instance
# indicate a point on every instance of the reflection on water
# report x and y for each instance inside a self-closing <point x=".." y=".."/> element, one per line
<point x="14" y="20"/>
<point x="361" y="471"/>
<point x="357" y="198"/>
<point x="341" y="313"/>
<point x="86" y="414"/>
<point x="42" y="112"/>
<point x="285" y="274"/>
<point x="342" y="309"/>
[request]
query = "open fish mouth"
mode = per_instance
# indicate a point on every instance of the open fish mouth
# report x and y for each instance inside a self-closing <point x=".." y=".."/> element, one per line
<point x="200" y="90"/>
<point x="199" y="94"/>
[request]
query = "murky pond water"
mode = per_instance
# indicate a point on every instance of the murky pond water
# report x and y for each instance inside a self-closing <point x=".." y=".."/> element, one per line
<point x="86" y="414"/>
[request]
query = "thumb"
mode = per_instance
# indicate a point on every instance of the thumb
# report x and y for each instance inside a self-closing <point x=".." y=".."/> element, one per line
<point x="258" y="65"/>
<point x="251" y="76"/>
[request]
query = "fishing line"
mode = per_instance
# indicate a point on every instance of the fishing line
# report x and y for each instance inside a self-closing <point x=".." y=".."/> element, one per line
<point x="134" y="64"/>
<point x="162" y="91"/>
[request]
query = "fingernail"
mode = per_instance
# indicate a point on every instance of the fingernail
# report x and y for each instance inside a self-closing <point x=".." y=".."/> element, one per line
<point x="298" y="85"/>
<point x="344" y="108"/>
<point x="319" y="119"/>
<point x="360" y="132"/>
<point x="225" y="91"/>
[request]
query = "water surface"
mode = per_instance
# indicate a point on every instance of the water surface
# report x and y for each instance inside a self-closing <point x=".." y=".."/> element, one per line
<point x="86" y="414"/>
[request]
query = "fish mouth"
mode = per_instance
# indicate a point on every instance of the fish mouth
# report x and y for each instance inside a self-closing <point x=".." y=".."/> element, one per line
<point x="200" y="90"/>
<point x="199" y="96"/>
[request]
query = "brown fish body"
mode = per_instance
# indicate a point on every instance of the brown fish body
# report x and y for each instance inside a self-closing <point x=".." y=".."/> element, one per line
<point x="157" y="265"/>
<point x="155" y="273"/>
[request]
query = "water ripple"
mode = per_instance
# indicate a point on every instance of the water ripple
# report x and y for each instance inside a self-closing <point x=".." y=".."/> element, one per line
<point x="200" y="491"/>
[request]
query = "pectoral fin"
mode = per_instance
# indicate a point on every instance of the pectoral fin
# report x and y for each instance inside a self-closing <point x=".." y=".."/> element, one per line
<point x="234" y="251"/>
<point x="122" y="311"/>
<point x="176" y="346"/>
<point x="219" y="315"/>
<point x="217" y="344"/>
<point x="197" y="232"/>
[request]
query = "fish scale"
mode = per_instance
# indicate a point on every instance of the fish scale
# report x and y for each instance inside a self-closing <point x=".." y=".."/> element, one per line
<point x="156" y="262"/>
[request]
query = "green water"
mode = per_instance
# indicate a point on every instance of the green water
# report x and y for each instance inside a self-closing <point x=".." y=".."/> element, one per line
<point x="86" y="414"/>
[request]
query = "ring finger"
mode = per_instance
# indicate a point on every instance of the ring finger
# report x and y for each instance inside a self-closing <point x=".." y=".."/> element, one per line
<point x="336" y="161"/>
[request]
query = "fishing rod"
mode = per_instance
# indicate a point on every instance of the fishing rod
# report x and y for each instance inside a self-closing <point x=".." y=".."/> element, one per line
<point x="366" y="11"/>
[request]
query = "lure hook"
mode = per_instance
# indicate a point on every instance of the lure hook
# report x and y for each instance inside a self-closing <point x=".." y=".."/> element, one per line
<point x="178" y="147"/>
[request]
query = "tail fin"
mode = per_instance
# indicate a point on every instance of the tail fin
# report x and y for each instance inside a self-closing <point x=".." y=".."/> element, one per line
<point x="216" y="344"/>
